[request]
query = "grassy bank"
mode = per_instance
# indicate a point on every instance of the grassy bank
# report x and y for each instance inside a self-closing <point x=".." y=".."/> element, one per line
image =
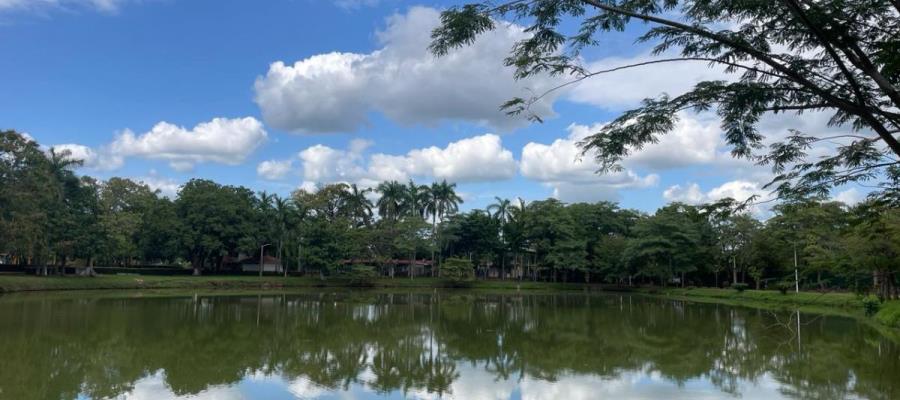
<point x="23" y="283"/>
<point x="825" y="303"/>
<point x="829" y="303"/>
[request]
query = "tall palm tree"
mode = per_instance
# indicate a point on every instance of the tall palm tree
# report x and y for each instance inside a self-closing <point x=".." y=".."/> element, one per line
<point x="283" y="214"/>
<point x="500" y="211"/>
<point x="442" y="200"/>
<point x="390" y="204"/>
<point x="61" y="165"/>
<point x="358" y="205"/>
<point x="414" y="202"/>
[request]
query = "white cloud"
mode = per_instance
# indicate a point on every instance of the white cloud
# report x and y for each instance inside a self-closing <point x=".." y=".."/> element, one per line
<point x="334" y="92"/>
<point x="574" y="178"/>
<point x="739" y="190"/>
<point x="690" y="194"/>
<point x="98" y="160"/>
<point x="222" y="140"/>
<point x="166" y="186"/>
<point x="476" y="159"/>
<point x="626" y="88"/>
<point x="274" y="170"/>
<point x="850" y="197"/>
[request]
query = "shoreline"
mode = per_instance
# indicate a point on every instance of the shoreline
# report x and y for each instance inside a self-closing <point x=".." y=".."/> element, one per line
<point x="846" y="304"/>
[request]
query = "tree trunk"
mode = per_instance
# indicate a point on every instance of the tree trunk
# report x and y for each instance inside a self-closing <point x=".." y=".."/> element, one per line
<point x="734" y="270"/>
<point x="197" y="264"/>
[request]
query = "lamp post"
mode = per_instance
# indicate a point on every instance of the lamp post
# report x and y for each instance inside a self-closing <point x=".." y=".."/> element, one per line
<point x="262" y="253"/>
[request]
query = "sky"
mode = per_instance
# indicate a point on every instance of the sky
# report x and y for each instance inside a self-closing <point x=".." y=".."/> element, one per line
<point x="283" y="94"/>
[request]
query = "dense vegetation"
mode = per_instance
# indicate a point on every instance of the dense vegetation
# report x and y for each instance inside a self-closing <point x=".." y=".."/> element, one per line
<point x="52" y="217"/>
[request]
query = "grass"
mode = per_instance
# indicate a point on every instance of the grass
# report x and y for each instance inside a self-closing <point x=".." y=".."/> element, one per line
<point x="827" y="303"/>
<point x="23" y="283"/>
<point x="830" y="299"/>
<point x="889" y="314"/>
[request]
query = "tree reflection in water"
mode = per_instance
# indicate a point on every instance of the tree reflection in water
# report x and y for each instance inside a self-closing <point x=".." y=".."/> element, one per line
<point x="430" y="344"/>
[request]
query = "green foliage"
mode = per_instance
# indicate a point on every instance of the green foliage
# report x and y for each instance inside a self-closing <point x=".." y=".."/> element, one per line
<point x="889" y="314"/>
<point x="358" y="275"/>
<point x="836" y="56"/>
<point x="871" y="304"/>
<point x="740" y="287"/>
<point x="457" y="270"/>
<point x="784" y="287"/>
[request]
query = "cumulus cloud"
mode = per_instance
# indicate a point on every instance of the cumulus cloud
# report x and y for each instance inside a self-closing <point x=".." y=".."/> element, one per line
<point x="274" y="170"/>
<point x="573" y="178"/>
<point x="100" y="160"/>
<point x="626" y="88"/>
<point x="694" y="140"/>
<point x="476" y="159"/>
<point x="166" y="186"/>
<point x="689" y="194"/>
<point x="739" y="190"/>
<point x="222" y="140"/>
<point x="850" y="197"/>
<point x="334" y="92"/>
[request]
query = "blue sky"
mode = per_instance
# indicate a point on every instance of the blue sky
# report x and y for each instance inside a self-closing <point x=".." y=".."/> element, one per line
<point x="276" y="95"/>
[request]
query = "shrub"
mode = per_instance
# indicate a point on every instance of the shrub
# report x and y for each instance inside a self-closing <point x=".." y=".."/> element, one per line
<point x="740" y="287"/>
<point x="784" y="287"/>
<point x="358" y="275"/>
<point x="889" y="314"/>
<point x="457" y="271"/>
<point x="871" y="304"/>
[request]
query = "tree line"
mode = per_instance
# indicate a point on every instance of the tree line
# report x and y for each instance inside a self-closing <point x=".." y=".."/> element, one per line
<point x="51" y="217"/>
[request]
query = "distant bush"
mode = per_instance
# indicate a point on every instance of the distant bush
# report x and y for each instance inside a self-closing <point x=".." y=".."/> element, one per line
<point x="871" y="304"/>
<point x="740" y="287"/>
<point x="358" y="275"/>
<point x="784" y="287"/>
<point x="458" y="271"/>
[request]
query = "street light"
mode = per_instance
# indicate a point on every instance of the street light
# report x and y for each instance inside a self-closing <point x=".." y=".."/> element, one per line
<point x="262" y="252"/>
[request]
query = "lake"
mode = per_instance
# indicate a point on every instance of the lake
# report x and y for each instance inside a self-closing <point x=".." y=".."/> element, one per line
<point x="428" y="345"/>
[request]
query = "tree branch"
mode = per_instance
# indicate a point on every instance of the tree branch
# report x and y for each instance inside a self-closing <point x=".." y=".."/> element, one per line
<point x="850" y="107"/>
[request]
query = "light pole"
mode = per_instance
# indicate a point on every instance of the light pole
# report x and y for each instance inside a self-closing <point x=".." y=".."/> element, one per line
<point x="262" y="252"/>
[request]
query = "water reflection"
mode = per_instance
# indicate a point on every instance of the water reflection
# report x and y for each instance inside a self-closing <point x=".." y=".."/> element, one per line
<point x="431" y="345"/>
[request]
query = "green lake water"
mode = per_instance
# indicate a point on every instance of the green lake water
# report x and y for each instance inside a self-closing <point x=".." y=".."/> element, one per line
<point x="429" y="345"/>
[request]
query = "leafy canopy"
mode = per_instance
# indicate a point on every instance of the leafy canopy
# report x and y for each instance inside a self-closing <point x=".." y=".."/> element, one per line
<point x="841" y="57"/>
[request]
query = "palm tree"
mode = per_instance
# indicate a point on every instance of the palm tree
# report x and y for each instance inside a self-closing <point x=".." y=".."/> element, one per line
<point x="442" y="200"/>
<point x="390" y="204"/>
<point x="268" y="230"/>
<point x="299" y="211"/>
<point x="414" y="202"/>
<point x="283" y="215"/>
<point x="61" y="164"/>
<point x="500" y="211"/>
<point x="358" y="205"/>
